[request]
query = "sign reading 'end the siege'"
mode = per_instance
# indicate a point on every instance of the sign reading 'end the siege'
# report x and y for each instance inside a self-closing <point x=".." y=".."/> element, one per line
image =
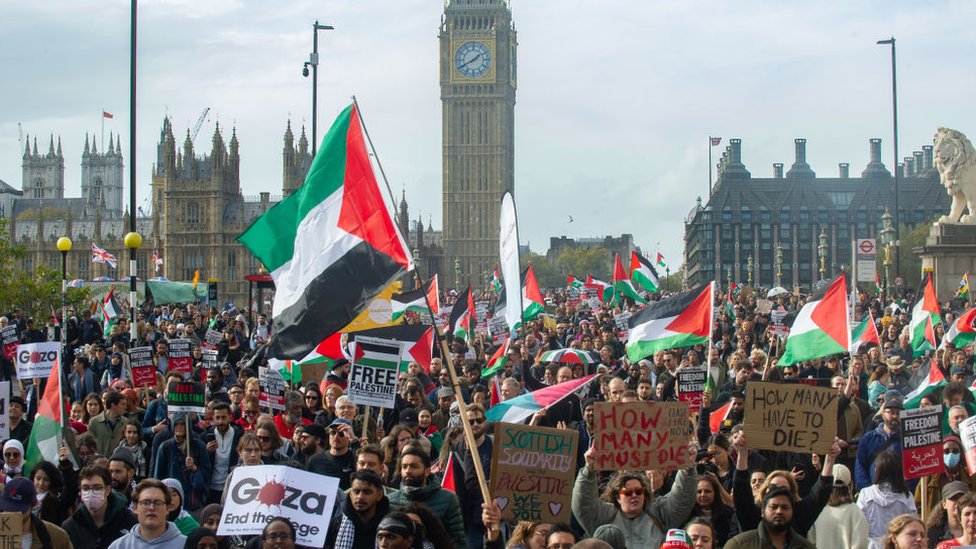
<point x="789" y="417"/>
<point x="641" y="435"/>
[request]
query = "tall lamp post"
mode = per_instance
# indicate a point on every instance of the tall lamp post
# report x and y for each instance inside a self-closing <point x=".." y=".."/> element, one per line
<point x="749" y="269"/>
<point x="822" y="252"/>
<point x="132" y="241"/>
<point x="64" y="246"/>
<point x="416" y="261"/>
<point x="457" y="274"/>
<point x="313" y="60"/>
<point x="887" y="234"/>
<point x="894" y="124"/>
<point x="779" y="264"/>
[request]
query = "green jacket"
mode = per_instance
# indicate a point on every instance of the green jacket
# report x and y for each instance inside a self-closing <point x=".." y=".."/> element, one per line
<point x="443" y="503"/>
<point x="108" y="439"/>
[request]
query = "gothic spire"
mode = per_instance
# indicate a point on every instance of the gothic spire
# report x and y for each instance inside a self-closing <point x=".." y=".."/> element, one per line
<point x="59" y="146"/>
<point x="27" y="148"/>
<point x="35" y="145"/>
<point x="50" y="148"/>
<point x="86" y="145"/>
<point x="111" y="146"/>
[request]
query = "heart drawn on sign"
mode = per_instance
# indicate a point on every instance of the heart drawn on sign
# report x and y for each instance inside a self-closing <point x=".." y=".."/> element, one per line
<point x="555" y="507"/>
<point x="502" y="503"/>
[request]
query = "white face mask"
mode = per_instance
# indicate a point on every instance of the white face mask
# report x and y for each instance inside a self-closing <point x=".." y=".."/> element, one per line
<point x="93" y="500"/>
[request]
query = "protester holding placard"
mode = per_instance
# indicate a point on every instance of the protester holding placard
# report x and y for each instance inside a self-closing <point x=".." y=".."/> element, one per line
<point x="193" y="470"/>
<point x="628" y="503"/>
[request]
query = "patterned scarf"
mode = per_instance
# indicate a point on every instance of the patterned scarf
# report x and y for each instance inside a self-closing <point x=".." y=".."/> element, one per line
<point x="346" y="535"/>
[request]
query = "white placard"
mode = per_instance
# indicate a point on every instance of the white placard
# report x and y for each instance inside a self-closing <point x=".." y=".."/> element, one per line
<point x="373" y="377"/>
<point x="35" y="360"/>
<point x="257" y="493"/>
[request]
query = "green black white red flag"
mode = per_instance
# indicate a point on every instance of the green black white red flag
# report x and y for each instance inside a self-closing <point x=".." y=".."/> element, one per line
<point x="461" y="322"/>
<point x="684" y="320"/>
<point x="622" y="284"/>
<point x="822" y="328"/>
<point x="925" y="315"/>
<point x="331" y="247"/>
<point x="643" y="273"/>
<point x="417" y="300"/>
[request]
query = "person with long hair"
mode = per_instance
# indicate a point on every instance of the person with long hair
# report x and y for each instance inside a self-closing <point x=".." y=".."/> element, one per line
<point x="841" y="523"/>
<point x="430" y="527"/>
<point x="942" y="523"/>
<point x="709" y="505"/>
<point x="57" y="491"/>
<point x="966" y="516"/>
<point x="887" y="498"/>
<point x="628" y="503"/>
<point x="271" y="444"/>
<point x="905" y="532"/>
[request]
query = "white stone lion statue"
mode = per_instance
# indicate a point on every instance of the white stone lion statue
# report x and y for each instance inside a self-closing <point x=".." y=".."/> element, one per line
<point x="955" y="159"/>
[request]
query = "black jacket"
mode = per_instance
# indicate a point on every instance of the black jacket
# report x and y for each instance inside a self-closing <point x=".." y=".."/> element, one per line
<point x="118" y="521"/>
<point x="365" y="533"/>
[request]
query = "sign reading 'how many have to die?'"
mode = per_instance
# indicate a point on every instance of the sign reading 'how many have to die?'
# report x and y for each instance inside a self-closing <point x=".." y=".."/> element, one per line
<point x="641" y="435"/>
<point x="789" y="417"/>
<point x="532" y="472"/>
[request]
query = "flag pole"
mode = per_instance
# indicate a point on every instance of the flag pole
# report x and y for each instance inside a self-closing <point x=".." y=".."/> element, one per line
<point x="441" y="342"/>
<point x="709" y="166"/>
<point x="362" y="122"/>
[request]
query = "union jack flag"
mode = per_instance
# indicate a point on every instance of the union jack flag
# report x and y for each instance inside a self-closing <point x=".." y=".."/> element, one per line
<point x="101" y="255"/>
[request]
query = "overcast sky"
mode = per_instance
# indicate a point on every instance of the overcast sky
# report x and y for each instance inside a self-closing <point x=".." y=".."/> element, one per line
<point x="615" y="101"/>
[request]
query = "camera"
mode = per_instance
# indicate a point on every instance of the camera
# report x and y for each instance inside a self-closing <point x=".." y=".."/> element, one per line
<point x="706" y="467"/>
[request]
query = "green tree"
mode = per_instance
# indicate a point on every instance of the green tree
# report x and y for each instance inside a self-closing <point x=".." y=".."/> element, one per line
<point x="910" y="265"/>
<point x="547" y="275"/>
<point x="37" y="292"/>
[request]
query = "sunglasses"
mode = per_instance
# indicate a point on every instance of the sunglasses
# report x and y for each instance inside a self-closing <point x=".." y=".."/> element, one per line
<point x="336" y="433"/>
<point x="477" y="421"/>
<point x="264" y="438"/>
<point x="627" y="492"/>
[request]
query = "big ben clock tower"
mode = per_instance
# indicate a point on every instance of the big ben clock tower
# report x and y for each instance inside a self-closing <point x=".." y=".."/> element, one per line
<point x="478" y="48"/>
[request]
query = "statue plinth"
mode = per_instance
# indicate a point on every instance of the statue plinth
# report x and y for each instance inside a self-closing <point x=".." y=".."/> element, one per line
<point x="949" y="252"/>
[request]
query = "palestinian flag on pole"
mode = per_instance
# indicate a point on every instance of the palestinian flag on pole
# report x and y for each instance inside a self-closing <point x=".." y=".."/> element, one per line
<point x="866" y="332"/>
<point x="515" y="410"/>
<point x="643" y="273"/>
<point x="47" y="433"/>
<point x="449" y="482"/>
<point x="573" y="282"/>
<point x="680" y="321"/>
<point x="496" y="282"/>
<point x="460" y="323"/>
<point x="717" y="416"/>
<point x="961" y="333"/>
<point x="821" y="328"/>
<point x="331" y="247"/>
<point x="623" y="285"/>
<point x="925" y="315"/>
<point x="290" y="370"/>
<point x="927" y="379"/>
<point x="532" y="302"/>
<point x="729" y="305"/>
<point x="109" y="311"/>
<point x="603" y="290"/>
<point x="417" y="301"/>
<point x="497" y="361"/>
<point x="660" y="261"/>
<point x="877" y="284"/>
<point x="416" y="342"/>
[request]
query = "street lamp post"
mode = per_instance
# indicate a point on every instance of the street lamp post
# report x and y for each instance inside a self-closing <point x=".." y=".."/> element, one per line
<point x="749" y="268"/>
<point x="887" y="233"/>
<point x="894" y="167"/>
<point x="64" y="246"/>
<point x="457" y="274"/>
<point x="132" y="241"/>
<point x="313" y="60"/>
<point x="416" y="261"/>
<point x="822" y="252"/>
<point x="779" y="264"/>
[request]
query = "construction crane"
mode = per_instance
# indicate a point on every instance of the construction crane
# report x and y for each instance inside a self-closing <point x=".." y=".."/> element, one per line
<point x="196" y="128"/>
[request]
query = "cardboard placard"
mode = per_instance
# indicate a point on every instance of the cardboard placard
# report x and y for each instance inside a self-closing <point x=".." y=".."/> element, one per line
<point x="764" y="306"/>
<point x="258" y="493"/>
<point x="273" y="388"/>
<point x="532" y="472"/>
<point x="314" y="372"/>
<point x="921" y="442"/>
<point x="790" y="417"/>
<point x="10" y="341"/>
<point x="213" y="338"/>
<point x="691" y="386"/>
<point x="180" y="356"/>
<point x="641" y="436"/>
<point x="967" y="432"/>
<point x="143" y="369"/>
<point x="186" y="396"/>
<point x="373" y="377"/>
<point x="35" y="360"/>
<point x="11" y="530"/>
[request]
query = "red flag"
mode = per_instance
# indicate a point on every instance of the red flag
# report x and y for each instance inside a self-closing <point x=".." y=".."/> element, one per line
<point x="448" y="483"/>
<point x="716" y="141"/>
<point x="106" y="114"/>
<point x="716" y="418"/>
<point x="496" y="392"/>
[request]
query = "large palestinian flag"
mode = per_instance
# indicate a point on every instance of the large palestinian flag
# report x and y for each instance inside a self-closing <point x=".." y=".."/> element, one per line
<point x="532" y="302"/>
<point x="680" y="321"/>
<point x="925" y="315"/>
<point x="515" y="410"/>
<point x="462" y="320"/>
<point x="643" y="273"/>
<point x="961" y="333"/>
<point x="46" y="434"/>
<point x="822" y="327"/>
<point x="864" y="333"/>
<point x="926" y="380"/>
<point x="331" y="247"/>
<point x="622" y="283"/>
<point x="604" y="291"/>
<point x="417" y="301"/>
<point x="416" y="342"/>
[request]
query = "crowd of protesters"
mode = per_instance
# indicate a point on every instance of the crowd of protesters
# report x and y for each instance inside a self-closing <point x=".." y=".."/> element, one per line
<point x="133" y="474"/>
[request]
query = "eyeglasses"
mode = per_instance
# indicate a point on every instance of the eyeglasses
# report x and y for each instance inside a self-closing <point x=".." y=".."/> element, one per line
<point x="278" y="536"/>
<point x="92" y="489"/>
<point x="627" y="492"/>
<point x="150" y="503"/>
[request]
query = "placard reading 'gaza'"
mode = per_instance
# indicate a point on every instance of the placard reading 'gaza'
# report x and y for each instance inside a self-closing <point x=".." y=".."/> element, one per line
<point x="641" y="435"/>
<point x="789" y="417"/>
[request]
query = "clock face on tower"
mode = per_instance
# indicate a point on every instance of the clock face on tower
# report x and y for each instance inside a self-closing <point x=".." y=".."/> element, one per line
<point x="472" y="59"/>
